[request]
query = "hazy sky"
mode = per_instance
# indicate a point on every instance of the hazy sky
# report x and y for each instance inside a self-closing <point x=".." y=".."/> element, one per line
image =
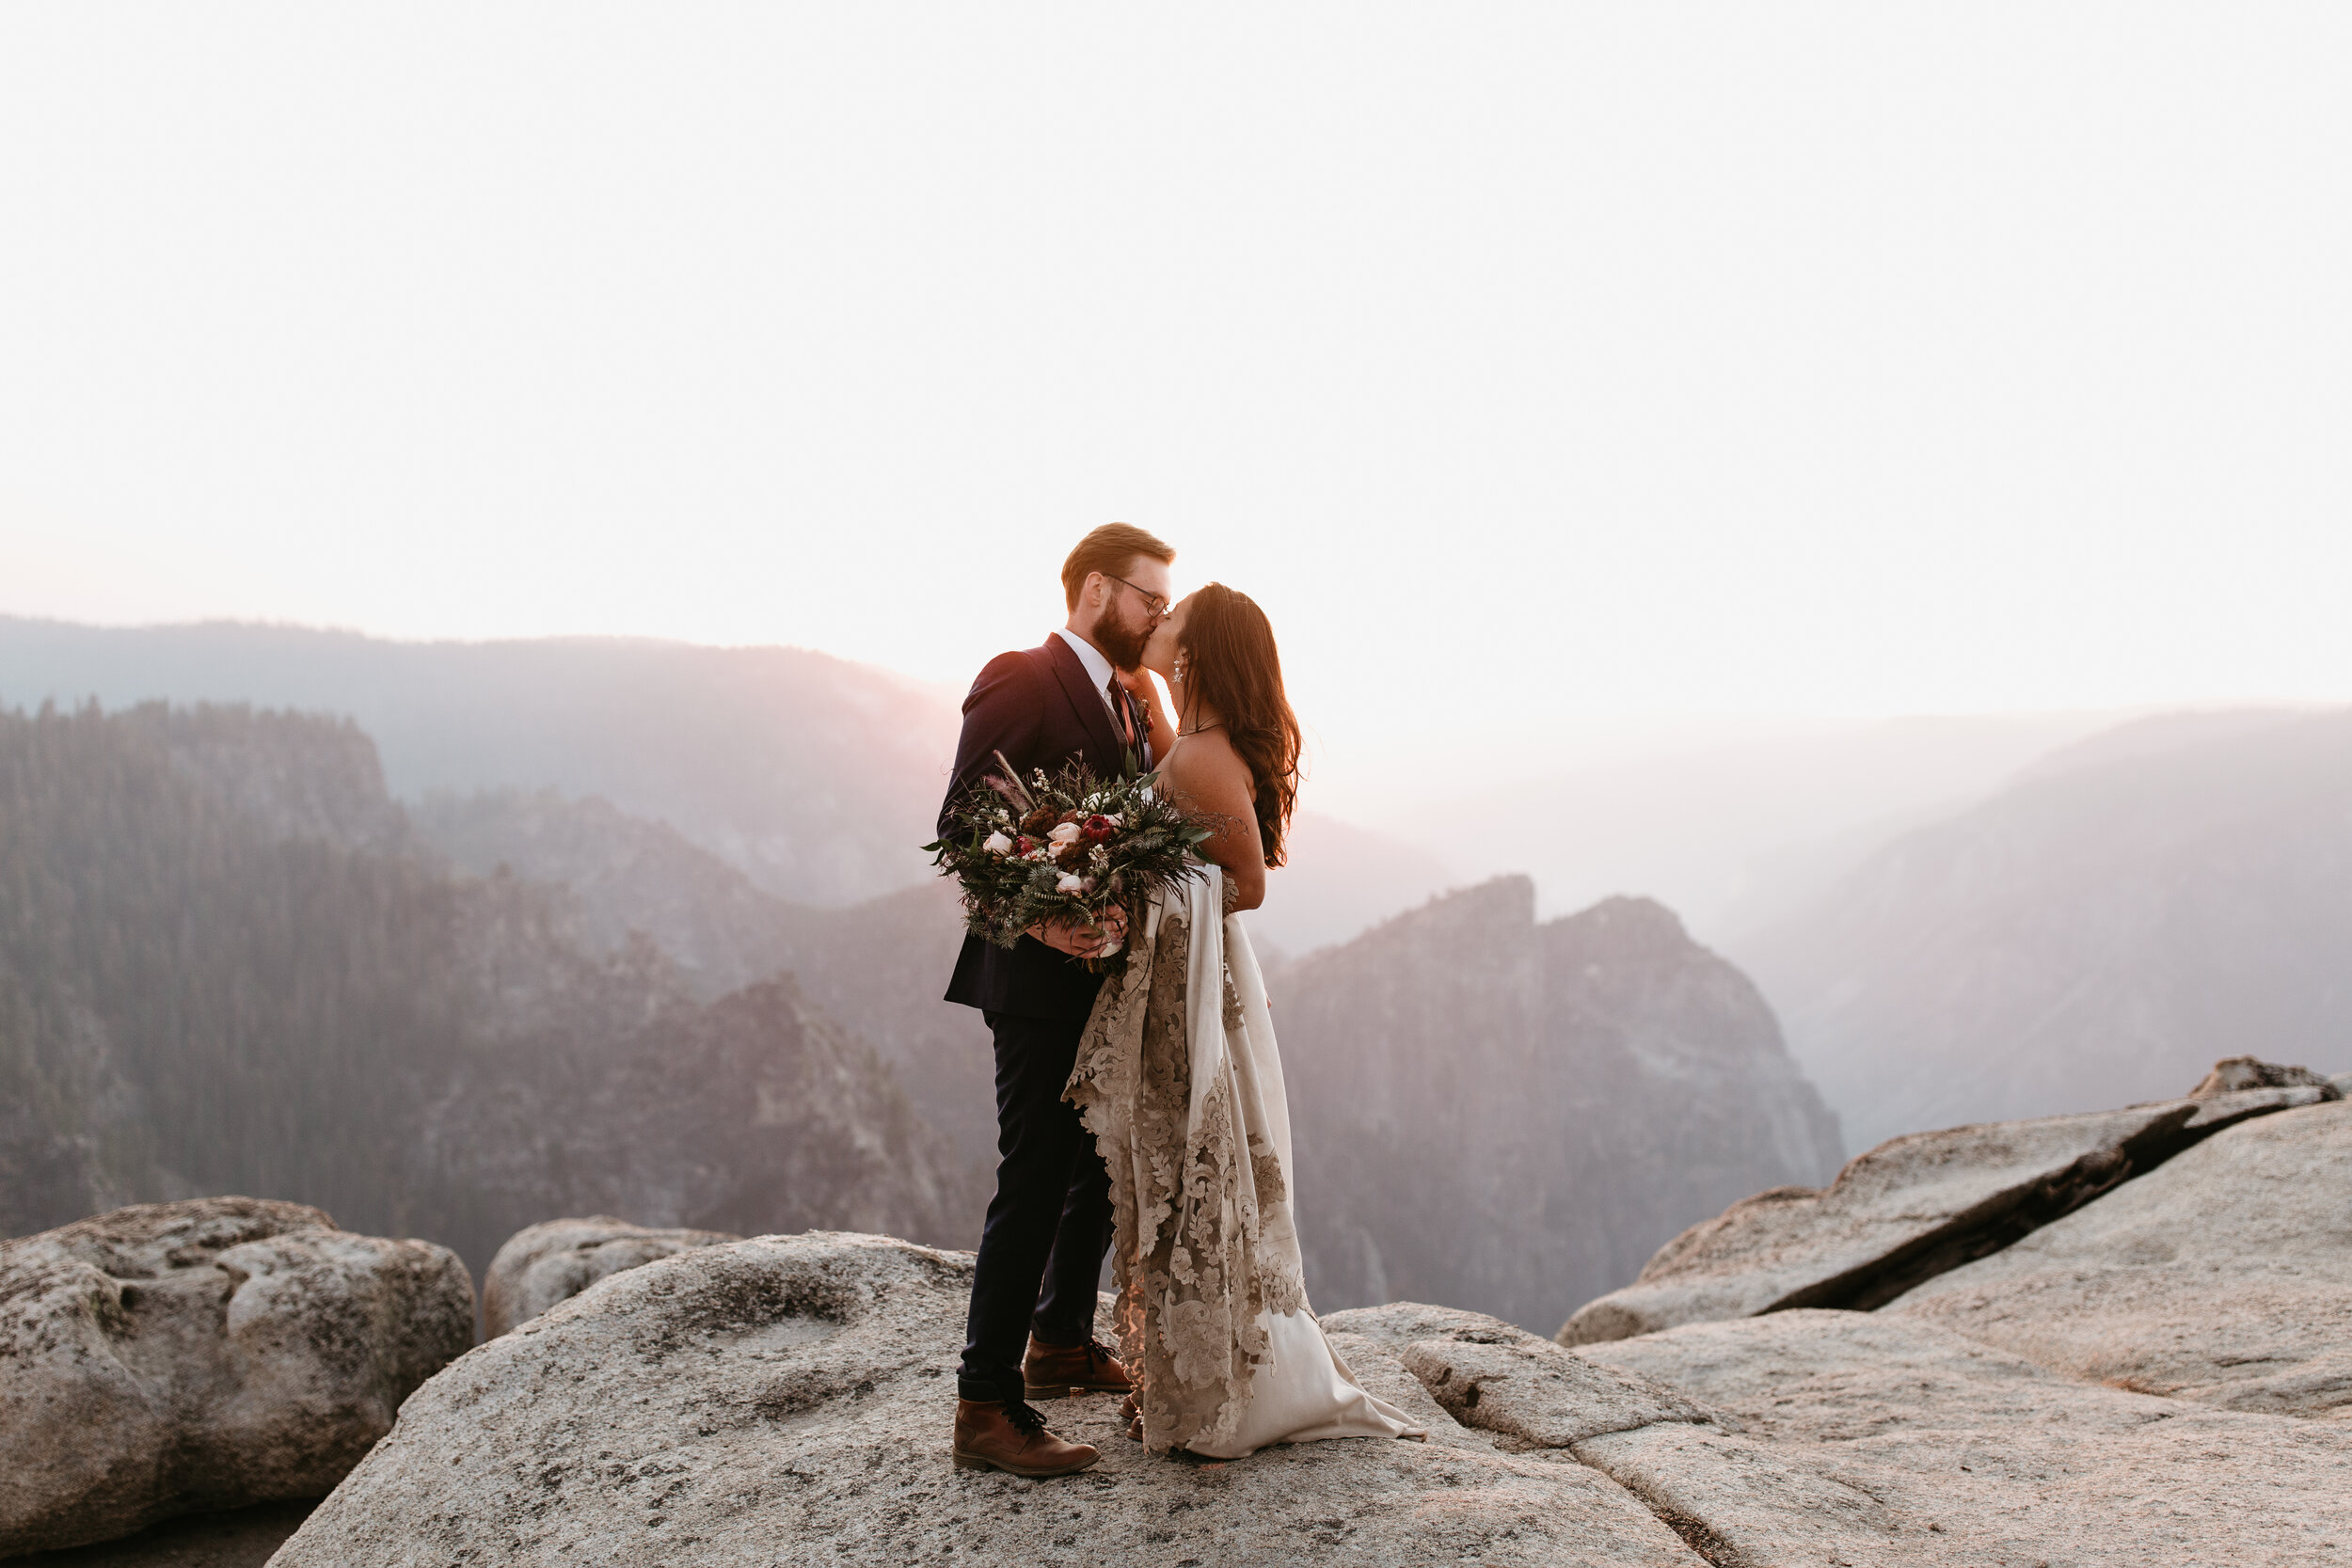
<point x="1531" y="365"/>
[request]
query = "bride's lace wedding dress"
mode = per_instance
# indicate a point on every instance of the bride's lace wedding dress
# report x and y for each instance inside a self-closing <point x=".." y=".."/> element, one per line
<point x="1179" y="1080"/>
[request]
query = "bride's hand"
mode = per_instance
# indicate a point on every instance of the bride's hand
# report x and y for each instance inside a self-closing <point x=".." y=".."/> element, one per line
<point x="1079" y="939"/>
<point x="1146" y="692"/>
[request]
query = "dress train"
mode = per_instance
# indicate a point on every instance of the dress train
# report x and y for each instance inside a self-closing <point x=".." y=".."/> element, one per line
<point x="1179" y="1079"/>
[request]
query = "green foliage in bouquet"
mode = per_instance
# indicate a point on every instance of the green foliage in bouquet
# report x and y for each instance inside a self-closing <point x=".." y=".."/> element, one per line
<point x="1069" y="846"/>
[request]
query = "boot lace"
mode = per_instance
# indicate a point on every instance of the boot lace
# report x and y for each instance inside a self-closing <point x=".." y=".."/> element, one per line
<point x="1025" y="1417"/>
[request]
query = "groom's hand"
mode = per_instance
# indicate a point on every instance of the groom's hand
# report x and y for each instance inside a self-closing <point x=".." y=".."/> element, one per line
<point x="1080" y="939"/>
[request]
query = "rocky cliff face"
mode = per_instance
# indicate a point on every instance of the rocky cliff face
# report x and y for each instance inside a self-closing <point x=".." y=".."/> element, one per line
<point x="753" y="1113"/>
<point x="1512" y="1117"/>
<point x="878" y="966"/>
<point x="2091" y="936"/>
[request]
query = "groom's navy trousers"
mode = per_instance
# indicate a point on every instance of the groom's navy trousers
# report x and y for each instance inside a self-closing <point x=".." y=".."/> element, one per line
<point x="1049" y="1222"/>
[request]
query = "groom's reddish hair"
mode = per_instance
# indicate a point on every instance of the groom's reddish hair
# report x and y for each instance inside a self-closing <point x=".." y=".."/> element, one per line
<point x="1110" y="550"/>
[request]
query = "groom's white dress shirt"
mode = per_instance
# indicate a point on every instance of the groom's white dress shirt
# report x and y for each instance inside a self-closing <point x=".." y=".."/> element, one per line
<point x="1098" y="671"/>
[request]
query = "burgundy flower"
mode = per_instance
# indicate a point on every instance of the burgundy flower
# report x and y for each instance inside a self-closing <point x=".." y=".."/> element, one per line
<point x="1098" y="828"/>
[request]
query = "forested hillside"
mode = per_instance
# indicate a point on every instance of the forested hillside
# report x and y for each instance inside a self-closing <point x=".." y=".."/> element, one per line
<point x="814" y="776"/>
<point x="225" y="966"/>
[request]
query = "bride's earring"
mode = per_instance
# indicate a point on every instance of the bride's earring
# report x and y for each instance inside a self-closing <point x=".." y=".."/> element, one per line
<point x="1180" y="666"/>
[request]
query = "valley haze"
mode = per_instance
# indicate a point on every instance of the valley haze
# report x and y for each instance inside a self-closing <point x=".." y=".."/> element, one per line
<point x="723" y="800"/>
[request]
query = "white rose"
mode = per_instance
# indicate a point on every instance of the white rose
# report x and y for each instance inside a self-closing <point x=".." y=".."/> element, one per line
<point x="998" y="844"/>
<point x="1063" y="832"/>
<point x="1071" y="883"/>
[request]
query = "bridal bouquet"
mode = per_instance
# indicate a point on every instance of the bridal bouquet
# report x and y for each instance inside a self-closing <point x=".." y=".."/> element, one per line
<point x="1070" y="847"/>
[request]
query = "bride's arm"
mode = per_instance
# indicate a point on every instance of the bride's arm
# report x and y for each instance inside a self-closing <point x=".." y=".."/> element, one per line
<point x="1206" y="775"/>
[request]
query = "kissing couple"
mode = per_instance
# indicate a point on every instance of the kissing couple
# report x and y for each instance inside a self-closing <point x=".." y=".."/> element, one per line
<point x="1142" y="1113"/>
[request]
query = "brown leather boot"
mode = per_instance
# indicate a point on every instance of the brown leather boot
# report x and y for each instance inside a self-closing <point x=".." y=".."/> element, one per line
<point x="993" y="1435"/>
<point x="1052" y="1371"/>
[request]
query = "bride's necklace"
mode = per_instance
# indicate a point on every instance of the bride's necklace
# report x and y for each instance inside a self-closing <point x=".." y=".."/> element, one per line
<point x="1202" y="730"/>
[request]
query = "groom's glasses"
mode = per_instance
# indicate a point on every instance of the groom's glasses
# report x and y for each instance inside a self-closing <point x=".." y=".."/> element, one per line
<point x="1153" y="604"/>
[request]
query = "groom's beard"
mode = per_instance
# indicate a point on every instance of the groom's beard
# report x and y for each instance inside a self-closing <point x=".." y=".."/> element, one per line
<point x="1122" y="645"/>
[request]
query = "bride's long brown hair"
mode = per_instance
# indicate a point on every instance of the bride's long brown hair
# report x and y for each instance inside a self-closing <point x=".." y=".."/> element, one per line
<point x="1234" y="667"/>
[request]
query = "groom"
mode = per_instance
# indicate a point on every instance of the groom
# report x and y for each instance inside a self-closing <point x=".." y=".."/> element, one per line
<point x="1050" y="1222"/>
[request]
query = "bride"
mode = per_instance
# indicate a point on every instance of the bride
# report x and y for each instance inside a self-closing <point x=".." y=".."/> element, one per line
<point x="1179" y="1080"/>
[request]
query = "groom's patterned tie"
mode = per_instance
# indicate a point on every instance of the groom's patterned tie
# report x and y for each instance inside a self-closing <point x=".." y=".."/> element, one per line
<point x="1124" y="704"/>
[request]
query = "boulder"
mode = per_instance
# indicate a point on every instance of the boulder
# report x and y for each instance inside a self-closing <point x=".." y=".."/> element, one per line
<point x="556" y="1259"/>
<point x="1869" y="1439"/>
<point x="788" y="1399"/>
<point x="1525" y="1390"/>
<point x="2225" y="1278"/>
<point x="180" y="1358"/>
<point x="1909" y="1210"/>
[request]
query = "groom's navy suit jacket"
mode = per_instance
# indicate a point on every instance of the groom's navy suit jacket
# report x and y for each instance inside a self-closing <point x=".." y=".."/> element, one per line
<point x="1040" y="708"/>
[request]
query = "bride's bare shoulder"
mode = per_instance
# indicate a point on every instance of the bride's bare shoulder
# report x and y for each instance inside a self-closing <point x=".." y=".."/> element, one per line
<point x="1204" y="761"/>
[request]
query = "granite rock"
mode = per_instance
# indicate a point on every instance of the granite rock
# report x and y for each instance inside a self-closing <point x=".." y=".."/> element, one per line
<point x="2234" y="1073"/>
<point x="787" y="1399"/>
<point x="1909" y="1210"/>
<point x="1495" y="1378"/>
<point x="1869" y="1439"/>
<point x="1377" y="1367"/>
<point x="182" y="1357"/>
<point x="556" y="1259"/>
<point x="241" y="1538"/>
<point x="2223" y="1277"/>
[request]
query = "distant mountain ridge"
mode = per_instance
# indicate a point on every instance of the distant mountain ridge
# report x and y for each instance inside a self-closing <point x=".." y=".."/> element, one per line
<point x="814" y="776"/>
<point x="2126" y="913"/>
